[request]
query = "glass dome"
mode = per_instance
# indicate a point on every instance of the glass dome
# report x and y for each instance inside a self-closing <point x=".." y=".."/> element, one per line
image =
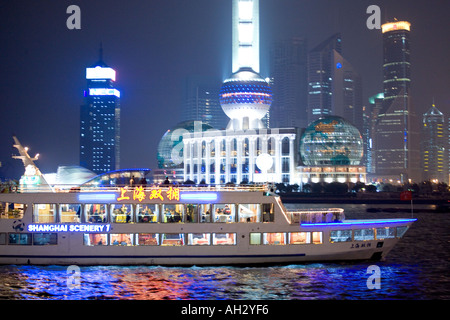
<point x="171" y="140"/>
<point x="331" y="141"/>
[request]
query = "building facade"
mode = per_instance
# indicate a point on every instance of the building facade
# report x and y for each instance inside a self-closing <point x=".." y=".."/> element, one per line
<point x="258" y="155"/>
<point x="433" y="146"/>
<point x="100" y="120"/>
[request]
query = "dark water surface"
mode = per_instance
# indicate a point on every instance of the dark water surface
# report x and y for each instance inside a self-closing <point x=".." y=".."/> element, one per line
<point x="416" y="269"/>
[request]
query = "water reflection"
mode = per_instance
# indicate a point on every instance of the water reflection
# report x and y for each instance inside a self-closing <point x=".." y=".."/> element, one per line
<point x="313" y="281"/>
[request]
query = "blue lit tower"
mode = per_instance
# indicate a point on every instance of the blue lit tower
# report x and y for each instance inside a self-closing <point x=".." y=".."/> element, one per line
<point x="245" y="97"/>
<point x="100" y="120"/>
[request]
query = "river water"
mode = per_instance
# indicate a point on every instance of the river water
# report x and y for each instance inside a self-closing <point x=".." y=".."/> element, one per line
<point x="416" y="269"/>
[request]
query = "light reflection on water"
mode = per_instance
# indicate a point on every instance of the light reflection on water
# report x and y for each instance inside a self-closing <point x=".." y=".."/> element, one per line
<point x="311" y="281"/>
<point x="417" y="268"/>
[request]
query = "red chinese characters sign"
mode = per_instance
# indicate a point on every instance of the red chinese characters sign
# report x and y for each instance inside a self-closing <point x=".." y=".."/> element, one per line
<point x="140" y="194"/>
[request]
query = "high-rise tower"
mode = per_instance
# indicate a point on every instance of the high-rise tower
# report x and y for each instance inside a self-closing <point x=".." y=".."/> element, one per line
<point x="434" y="140"/>
<point x="100" y="120"/>
<point x="397" y="154"/>
<point x="320" y="77"/>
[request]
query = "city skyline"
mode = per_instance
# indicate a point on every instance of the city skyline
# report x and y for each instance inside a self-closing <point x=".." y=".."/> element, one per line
<point x="44" y="65"/>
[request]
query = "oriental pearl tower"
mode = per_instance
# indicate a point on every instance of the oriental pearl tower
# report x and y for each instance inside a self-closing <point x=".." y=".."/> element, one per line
<point x="245" y="97"/>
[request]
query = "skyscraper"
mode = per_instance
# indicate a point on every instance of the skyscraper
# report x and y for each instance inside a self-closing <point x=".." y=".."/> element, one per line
<point x="201" y="101"/>
<point x="245" y="35"/>
<point x="320" y="77"/>
<point x="370" y="117"/>
<point x="334" y="86"/>
<point x="346" y="91"/>
<point x="288" y="71"/>
<point x="100" y="120"/>
<point x="433" y="146"/>
<point x="397" y="155"/>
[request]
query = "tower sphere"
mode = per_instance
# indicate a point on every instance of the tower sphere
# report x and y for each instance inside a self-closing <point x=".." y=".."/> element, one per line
<point x="245" y="98"/>
<point x="331" y="141"/>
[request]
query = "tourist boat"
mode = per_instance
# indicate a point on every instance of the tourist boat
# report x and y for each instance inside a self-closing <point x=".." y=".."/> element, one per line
<point x="175" y="225"/>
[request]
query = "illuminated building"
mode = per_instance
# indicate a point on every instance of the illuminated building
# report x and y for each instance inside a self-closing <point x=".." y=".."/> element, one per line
<point x="288" y="71"/>
<point x="434" y="140"/>
<point x="100" y="120"/>
<point x="334" y="86"/>
<point x="257" y="155"/>
<point x="320" y="77"/>
<point x="331" y="150"/>
<point x="347" y="91"/>
<point x="397" y="141"/>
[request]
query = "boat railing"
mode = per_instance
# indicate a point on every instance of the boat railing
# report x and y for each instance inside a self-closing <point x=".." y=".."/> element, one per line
<point x="148" y="187"/>
<point x="316" y="216"/>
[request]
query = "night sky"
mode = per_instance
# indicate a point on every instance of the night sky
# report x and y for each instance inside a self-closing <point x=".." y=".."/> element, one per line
<point x="154" y="44"/>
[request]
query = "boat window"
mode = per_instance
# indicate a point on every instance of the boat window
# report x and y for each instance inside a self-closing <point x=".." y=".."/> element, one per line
<point x="401" y="231"/>
<point x="2" y="238"/>
<point x="255" y="238"/>
<point x="340" y="236"/>
<point x="274" y="238"/>
<point x="205" y="212"/>
<point x="147" y="212"/>
<point x="299" y="237"/>
<point x="121" y="213"/>
<point x="199" y="239"/>
<point x="20" y="238"/>
<point x="191" y="213"/>
<point x="224" y="213"/>
<point x="42" y="239"/>
<point x="11" y="210"/>
<point x="96" y="213"/>
<point x="385" y="233"/>
<point x="317" y="237"/>
<point x="249" y="212"/>
<point x="223" y="239"/>
<point x="267" y="212"/>
<point x="70" y="212"/>
<point x="95" y="239"/>
<point x="172" y="239"/>
<point x="172" y="212"/>
<point x="147" y="239"/>
<point x="121" y="239"/>
<point x="44" y="213"/>
<point x="363" y="234"/>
